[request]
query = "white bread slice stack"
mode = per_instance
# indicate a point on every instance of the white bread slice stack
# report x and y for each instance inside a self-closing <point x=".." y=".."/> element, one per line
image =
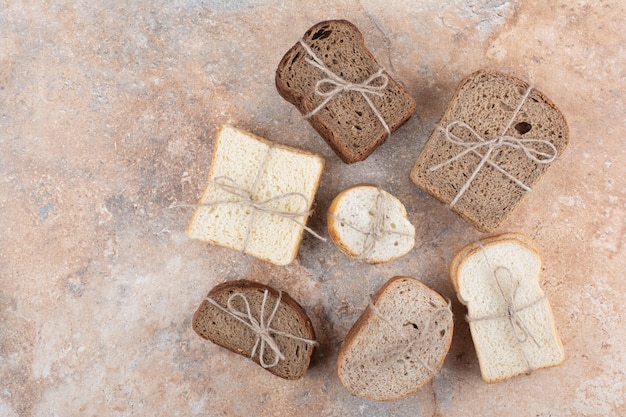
<point x="510" y="319"/>
<point x="399" y="342"/>
<point x="369" y="224"/>
<point x="258" y="196"/>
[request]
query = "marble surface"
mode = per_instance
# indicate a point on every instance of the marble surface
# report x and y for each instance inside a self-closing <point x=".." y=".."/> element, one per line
<point x="108" y="112"/>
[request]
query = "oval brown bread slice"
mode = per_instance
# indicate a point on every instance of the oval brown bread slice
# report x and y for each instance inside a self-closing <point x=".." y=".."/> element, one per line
<point x="291" y="328"/>
<point x="399" y="342"/>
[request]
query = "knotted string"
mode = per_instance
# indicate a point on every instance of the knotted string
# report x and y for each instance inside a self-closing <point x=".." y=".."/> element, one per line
<point x="260" y="327"/>
<point x="520" y="330"/>
<point x="436" y="322"/>
<point x="247" y="197"/>
<point x="375" y="84"/>
<point x="526" y="145"/>
<point x="377" y="227"/>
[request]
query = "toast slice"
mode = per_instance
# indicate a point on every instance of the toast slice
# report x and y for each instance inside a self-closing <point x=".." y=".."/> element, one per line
<point x="347" y="122"/>
<point x="369" y="224"/>
<point x="258" y="196"/>
<point x="484" y="104"/>
<point x="510" y="319"/>
<point x="399" y="342"/>
<point x="290" y="327"/>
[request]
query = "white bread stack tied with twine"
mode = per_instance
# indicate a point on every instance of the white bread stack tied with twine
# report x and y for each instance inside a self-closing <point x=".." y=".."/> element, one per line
<point x="497" y="137"/>
<point x="368" y="224"/>
<point x="258" y="196"/>
<point x="510" y="319"/>
<point x="399" y="342"/>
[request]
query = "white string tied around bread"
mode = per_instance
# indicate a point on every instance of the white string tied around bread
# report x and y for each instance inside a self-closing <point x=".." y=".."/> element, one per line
<point x="528" y="146"/>
<point x="335" y="85"/>
<point x="521" y="332"/>
<point x="247" y="197"/>
<point x="377" y="228"/>
<point x="436" y="322"/>
<point x="261" y="327"/>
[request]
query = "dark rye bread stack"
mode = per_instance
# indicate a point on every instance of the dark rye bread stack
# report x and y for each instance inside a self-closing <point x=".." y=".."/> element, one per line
<point x="486" y="101"/>
<point x="223" y="329"/>
<point x="346" y="122"/>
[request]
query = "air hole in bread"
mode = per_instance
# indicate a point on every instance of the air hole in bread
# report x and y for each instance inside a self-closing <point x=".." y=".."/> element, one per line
<point x="393" y="225"/>
<point x="395" y="243"/>
<point x="360" y="113"/>
<point x="322" y="34"/>
<point x="523" y="127"/>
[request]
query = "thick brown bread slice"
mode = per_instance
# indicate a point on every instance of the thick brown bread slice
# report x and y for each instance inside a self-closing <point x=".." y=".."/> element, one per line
<point x="510" y="319"/>
<point x="398" y="343"/>
<point x="347" y="122"/>
<point x="289" y="324"/>
<point x="486" y="101"/>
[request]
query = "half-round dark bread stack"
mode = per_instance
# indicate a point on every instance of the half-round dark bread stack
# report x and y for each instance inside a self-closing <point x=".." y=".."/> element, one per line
<point x="347" y="122"/>
<point x="223" y="329"/>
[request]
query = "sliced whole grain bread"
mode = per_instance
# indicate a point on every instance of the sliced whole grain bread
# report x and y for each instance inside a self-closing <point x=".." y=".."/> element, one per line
<point x="399" y="342"/>
<point x="347" y="122"/>
<point x="510" y="318"/>
<point x="486" y="101"/>
<point x="369" y="224"/>
<point x="290" y="321"/>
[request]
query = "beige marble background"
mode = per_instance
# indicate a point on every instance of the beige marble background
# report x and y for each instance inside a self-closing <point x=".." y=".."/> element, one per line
<point x="108" y="111"/>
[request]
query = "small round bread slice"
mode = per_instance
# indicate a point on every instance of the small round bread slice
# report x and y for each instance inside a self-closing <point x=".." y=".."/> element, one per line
<point x="399" y="342"/>
<point x="369" y="224"/>
<point x="226" y="317"/>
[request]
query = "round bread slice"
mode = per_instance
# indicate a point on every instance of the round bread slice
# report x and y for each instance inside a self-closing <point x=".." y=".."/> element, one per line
<point x="369" y="224"/>
<point x="399" y="342"/>
<point x="289" y="327"/>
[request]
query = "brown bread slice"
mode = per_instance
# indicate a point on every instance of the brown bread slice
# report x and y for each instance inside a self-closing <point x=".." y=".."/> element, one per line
<point x="347" y="122"/>
<point x="223" y="329"/>
<point x="486" y="101"/>
<point x="397" y="345"/>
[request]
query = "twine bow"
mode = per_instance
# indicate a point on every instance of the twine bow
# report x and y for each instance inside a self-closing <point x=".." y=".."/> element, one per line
<point x="528" y="146"/>
<point x="520" y="330"/>
<point x="436" y="322"/>
<point x="377" y="228"/>
<point x="261" y="327"/>
<point x="334" y="85"/>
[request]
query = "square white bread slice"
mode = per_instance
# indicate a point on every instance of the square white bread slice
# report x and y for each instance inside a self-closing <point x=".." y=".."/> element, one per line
<point x="369" y="224"/>
<point x="258" y="196"/>
<point x="398" y="343"/>
<point x="510" y="318"/>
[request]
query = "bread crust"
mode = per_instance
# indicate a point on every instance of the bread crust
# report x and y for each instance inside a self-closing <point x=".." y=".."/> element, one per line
<point x="304" y="103"/>
<point x="365" y="318"/>
<point x="246" y="286"/>
<point x="316" y="155"/>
